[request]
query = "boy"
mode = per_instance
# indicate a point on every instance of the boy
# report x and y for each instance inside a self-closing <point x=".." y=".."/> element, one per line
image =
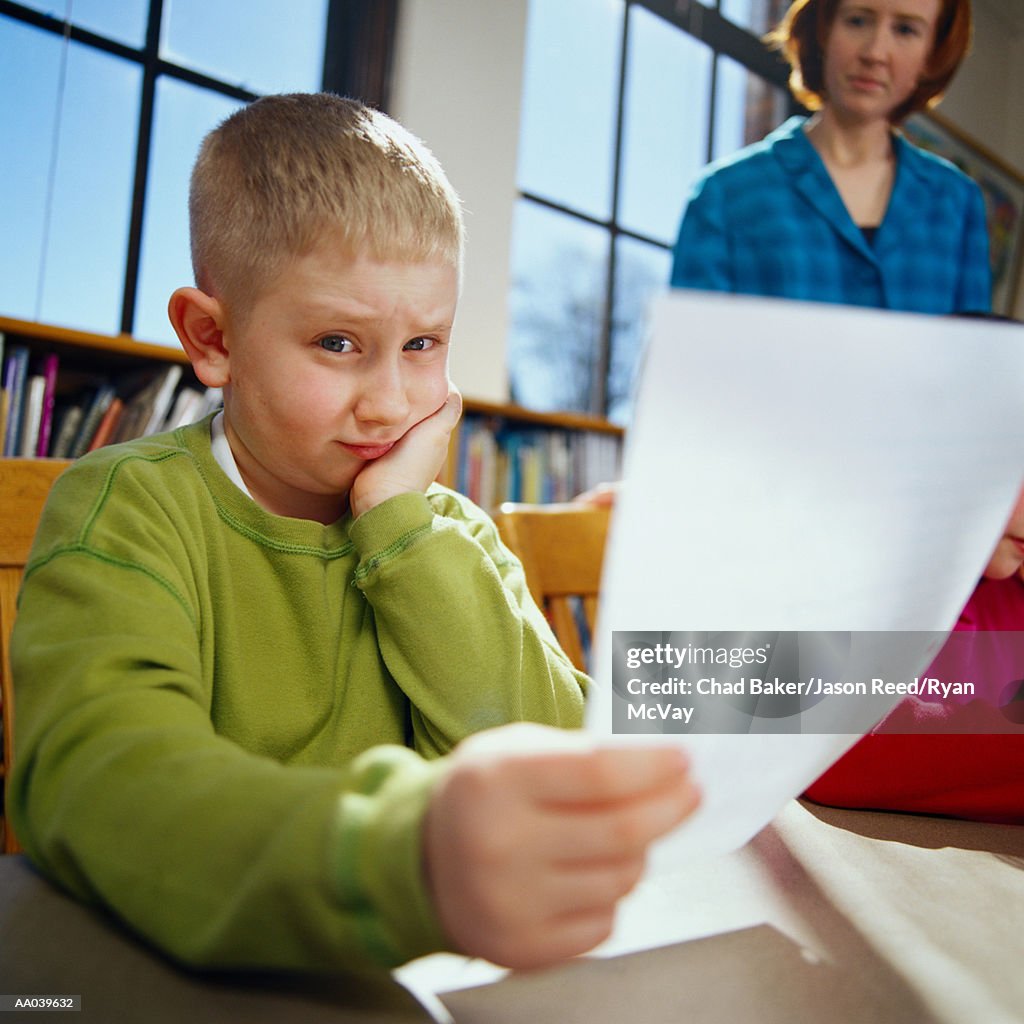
<point x="230" y="636"/>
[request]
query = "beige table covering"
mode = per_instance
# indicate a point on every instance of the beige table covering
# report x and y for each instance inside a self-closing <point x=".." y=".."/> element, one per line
<point x="826" y="916"/>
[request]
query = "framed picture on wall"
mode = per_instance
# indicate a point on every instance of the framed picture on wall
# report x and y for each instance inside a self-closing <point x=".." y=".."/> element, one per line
<point x="1003" y="188"/>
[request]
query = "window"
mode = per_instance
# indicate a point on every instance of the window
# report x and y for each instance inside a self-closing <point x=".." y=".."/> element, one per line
<point x="102" y="108"/>
<point x="623" y="102"/>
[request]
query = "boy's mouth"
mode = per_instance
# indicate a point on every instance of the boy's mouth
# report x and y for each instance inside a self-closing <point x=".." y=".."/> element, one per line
<point x="368" y="451"/>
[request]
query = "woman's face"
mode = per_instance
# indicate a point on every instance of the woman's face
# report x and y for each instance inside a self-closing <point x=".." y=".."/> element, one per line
<point x="875" y="55"/>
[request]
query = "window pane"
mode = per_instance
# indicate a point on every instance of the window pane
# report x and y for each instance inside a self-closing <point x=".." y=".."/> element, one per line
<point x="123" y="21"/>
<point x="641" y="270"/>
<point x="666" y="123"/>
<point x="747" y="107"/>
<point x="28" y="106"/>
<point x="184" y="114"/>
<point x="559" y="281"/>
<point x="64" y="265"/>
<point x="757" y="15"/>
<point x="263" y="45"/>
<point x="570" y="80"/>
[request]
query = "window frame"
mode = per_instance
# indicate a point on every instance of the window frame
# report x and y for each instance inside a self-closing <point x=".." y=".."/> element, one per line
<point x="725" y="39"/>
<point x="358" y="58"/>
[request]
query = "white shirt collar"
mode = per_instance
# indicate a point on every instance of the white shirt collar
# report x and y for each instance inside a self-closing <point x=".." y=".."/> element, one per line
<point x="223" y="454"/>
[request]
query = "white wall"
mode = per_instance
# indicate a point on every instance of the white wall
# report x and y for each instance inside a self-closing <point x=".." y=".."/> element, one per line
<point x="458" y="80"/>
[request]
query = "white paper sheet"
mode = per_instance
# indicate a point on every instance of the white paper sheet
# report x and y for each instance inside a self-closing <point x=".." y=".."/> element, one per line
<point x="799" y="466"/>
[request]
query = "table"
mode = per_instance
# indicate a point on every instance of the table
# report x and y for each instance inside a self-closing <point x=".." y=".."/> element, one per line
<point x="827" y="915"/>
<point x="50" y="944"/>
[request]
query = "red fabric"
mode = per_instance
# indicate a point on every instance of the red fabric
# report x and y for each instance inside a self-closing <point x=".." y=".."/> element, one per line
<point x="977" y="776"/>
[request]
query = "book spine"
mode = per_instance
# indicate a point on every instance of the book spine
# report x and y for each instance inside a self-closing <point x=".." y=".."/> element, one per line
<point x="14" y="382"/>
<point x="162" y="401"/>
<point x="51" y="364"/>
<point x="107" y="423"/>
<point x="67" y="431"/>
<point x="91" y="419"/>
<point x="32" y="415"/>
<point x="3" y="394"/>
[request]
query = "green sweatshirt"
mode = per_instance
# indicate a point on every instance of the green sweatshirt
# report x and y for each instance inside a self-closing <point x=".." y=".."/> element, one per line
<point x="226" y="719"/>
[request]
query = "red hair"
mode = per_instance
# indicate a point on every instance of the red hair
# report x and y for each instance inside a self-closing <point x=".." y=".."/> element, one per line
<point x="804" y="28"/>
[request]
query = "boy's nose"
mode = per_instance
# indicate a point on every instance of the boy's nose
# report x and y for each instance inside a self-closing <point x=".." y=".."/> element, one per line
<point x="383" y="398"/>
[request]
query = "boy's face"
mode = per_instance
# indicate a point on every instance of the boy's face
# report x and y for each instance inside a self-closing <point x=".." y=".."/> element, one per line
<point x="1008" y="556"/>
<point x="336" y="360"/>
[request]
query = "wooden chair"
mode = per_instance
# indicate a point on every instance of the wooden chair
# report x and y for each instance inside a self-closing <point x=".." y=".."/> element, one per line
<point x="24" y="485"/>
<point x="561" y="547"/>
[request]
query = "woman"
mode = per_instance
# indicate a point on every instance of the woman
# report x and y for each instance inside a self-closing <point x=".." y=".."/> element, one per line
<point x="839" y="207"/>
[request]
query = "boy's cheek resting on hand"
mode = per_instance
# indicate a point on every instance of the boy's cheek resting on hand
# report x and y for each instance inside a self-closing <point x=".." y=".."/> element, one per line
<point x="414" y="462"/>
<point x="533" y="835"/>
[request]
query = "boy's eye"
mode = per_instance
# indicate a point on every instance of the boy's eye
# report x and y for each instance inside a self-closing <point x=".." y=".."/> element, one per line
<point x="335" y="343"/>
<point x="420" y="344"/>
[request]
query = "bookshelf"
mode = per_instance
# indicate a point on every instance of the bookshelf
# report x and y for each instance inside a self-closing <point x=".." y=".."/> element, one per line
<point x="130" y="387"/>
<point x="507" y="453"/>
<point x="499" y="452"/>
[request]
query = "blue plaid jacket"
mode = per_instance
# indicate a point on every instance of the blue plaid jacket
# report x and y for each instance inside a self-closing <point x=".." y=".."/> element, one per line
<point x="769" y="221"/>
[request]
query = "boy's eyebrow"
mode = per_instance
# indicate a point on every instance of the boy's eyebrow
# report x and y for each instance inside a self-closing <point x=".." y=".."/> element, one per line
<point x="439" y="328"/>
<point x="353" y="315"/>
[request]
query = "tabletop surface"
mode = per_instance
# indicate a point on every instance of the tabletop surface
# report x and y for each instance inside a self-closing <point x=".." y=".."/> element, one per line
<point x="826" y="915"/>
<point x="51" y="945"/>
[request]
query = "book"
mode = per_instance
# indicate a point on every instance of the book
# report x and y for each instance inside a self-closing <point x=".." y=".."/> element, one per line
<point x="32" y="413"/>
<point x="91" y="417"/>
<point x="138" y="405"/>
<point x="51" y="364"/>
<point x="15" y="376"/>
<point x="66" y="431"/>
<point x="3" y="395"/>
<point x="166" y="381"/>
<point x="213" y="398"/>
<point x="107" y="424"/>
<point x="185" y="409"/>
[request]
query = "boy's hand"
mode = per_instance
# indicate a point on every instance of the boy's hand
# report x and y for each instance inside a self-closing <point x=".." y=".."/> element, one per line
<point x="413" y="463"/>
<point x="533" y="836"/>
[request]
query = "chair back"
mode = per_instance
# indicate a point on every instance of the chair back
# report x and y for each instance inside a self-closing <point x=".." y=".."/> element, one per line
<point x="561" y="547"/>
<point x="24" y="486"/>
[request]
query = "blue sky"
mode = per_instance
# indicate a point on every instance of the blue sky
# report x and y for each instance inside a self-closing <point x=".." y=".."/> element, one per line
<point x="68" y="117"/>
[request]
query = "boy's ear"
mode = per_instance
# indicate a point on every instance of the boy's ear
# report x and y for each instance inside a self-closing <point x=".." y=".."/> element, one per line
<point x="198" y="320"/>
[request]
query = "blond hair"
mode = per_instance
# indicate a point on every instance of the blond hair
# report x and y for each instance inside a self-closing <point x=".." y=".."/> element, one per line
<point x="278" y="176"/>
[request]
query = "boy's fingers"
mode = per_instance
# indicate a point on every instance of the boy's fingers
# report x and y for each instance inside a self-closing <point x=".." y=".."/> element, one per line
<point x="452" y="408"/>
<point x="586" y="885"/>
<point x="621" y="830"/>
<point x="448" y="415"/>
<point x="561" y="938"/>
<point x="604" y="775"/>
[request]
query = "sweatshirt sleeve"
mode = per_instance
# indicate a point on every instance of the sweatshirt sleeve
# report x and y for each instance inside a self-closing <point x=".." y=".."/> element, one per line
<point x="124" y="794"/>
<point x="456" y="624"/>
